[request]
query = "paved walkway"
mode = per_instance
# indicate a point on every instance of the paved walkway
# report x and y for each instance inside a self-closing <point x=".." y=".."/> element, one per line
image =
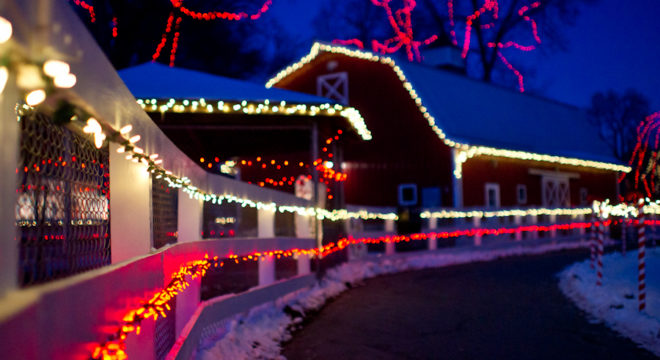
<point x="506" y="309"/>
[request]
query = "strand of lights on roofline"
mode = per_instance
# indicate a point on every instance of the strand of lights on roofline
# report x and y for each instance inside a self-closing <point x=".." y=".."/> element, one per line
<point x="468" y="150"/>
<point x="158" y="304"/>
<point x="265" y="107"/>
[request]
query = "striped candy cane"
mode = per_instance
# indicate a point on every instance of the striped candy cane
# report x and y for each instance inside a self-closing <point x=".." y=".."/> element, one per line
<point x="641" y="255"/>
<point x="601" y="238"/>
<point x="592" y="240"/>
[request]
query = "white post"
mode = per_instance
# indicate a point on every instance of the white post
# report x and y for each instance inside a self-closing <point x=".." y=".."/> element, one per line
<point x="433" y="240"/>
<point x="9" y="136"/>
<point x="303" y="265"/>
<point x="476" y="222"/>
<point x="303" y="226"/>
<point x="266" y="270"/>
<point x="553" y="221"/>
<point x="389" y="226"/>
<point x="390" y="248"/>
<point x="265" y="223"/>
<point x="583" y="230"/>
<point x="534" y="220"/>
<point x="130" y="207"/>
<point x="190" y="217"/>
<point x="518" y="221"/>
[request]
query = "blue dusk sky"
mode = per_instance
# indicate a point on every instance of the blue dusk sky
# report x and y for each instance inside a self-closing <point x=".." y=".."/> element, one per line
<point x="615" y="45"/>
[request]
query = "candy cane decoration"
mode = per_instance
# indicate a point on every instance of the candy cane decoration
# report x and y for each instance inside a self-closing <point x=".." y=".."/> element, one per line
<point x="601" y="236"/>
<point x="641" y="266"/>
<point x="592" y="241"/>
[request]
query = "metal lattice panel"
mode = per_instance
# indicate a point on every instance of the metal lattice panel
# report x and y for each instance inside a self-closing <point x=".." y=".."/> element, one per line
<point x="164" y="207"/>
<point x="62" y="213"/>
<point x="165" y="333"/>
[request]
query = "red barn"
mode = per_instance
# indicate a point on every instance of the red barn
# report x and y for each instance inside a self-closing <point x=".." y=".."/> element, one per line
<point x="442" y="139"/>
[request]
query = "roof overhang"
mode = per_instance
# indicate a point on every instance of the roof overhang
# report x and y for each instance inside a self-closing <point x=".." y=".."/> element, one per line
<point x="464" y="150"/>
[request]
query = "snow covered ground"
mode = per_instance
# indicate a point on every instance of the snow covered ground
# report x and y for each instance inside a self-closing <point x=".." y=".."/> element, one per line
<point x="259" y="333"/>
<point x="615" y="303"/>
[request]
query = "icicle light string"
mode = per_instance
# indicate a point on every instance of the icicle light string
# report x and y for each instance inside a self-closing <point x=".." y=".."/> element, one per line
<point x="465" y="151"/>
<point x="158" y="304"/>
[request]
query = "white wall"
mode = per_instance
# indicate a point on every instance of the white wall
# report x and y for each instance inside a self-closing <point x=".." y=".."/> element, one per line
<point x="130" y="207"/>
<point x="189" y="223"/>
<point x="8" y="160"/>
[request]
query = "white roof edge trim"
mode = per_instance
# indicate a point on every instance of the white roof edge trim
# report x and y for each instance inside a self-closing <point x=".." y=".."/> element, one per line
<point x="473" y="150"/>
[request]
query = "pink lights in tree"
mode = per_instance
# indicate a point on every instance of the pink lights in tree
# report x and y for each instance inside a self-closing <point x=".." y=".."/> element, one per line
<point x="489" y="12"/>
<point x="645" y="176"/>
<point x="401" y="23"/>
<point x="179" y="11"/>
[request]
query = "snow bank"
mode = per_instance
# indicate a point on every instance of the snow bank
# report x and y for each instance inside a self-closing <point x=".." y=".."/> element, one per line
<point x="615" y="303"/>
<point x="259" y="333"/>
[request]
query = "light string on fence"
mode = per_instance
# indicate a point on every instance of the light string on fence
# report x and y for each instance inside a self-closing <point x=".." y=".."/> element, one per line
<point x="157" y="305"/>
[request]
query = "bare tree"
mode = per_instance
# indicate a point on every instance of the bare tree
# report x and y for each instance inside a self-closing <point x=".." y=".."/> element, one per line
<point x="617" y="117"/>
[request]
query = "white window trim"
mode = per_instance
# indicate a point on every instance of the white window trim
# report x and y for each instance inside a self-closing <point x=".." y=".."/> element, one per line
<point x="496" y="188"/>
<point x="400" y="194"/>
<point x="518" y="199"/>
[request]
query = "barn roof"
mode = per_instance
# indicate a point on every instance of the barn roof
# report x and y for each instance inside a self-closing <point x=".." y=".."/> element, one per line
<point x="163" y="88"/>
<point x="484" y="119"/>
<point x="157" y="81"/>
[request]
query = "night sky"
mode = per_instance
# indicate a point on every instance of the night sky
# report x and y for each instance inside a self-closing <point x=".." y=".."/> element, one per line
<point x="614" y="45"/>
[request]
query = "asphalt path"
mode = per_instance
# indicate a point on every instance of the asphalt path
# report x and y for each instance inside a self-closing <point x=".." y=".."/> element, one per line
<point x="505" y="309"/>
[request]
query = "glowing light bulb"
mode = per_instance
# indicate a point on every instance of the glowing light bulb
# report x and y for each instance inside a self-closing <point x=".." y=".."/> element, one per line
<point x="65" y="81"/>
<point x="134" y="139"/>
<point x="5" y="30"/>
<point x="55" y="68"/>
<point x="35" y="97"/>
<point x="126" y="129"/>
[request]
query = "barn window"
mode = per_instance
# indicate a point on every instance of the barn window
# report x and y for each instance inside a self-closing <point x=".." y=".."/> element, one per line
<point x="333" y="86"/>
<point x="584" y="194"/>
<point x="521" y="194"/>
<point x="492" y="195"/>
<point x="407" y="194"/>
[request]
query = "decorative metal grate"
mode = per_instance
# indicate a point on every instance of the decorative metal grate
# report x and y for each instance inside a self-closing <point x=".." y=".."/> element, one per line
<point x="62" y="213"/>
<point x="165" y="333"/>
<point x="164" y="207"/>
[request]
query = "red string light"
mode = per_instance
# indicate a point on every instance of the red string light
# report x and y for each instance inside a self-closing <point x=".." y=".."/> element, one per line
<point x="114" y="347"/>
<point x="401" y="23"/>
<point x="197" y="15"/>
<point x="492" y="7"/>
<point x="114" y="27"/>
<point x="88" y="7"/>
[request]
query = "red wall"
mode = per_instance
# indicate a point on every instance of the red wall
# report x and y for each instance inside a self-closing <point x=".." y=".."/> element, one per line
<point x="404" y="149"/>
<point x="508" y="173"/>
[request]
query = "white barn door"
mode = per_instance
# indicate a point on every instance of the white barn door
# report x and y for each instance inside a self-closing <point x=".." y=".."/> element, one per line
<point x="556" y="192"/>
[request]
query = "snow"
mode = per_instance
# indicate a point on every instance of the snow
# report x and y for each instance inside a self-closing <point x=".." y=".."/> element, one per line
<point x="158" y="81"/>
<point x="259" y="333"/>
<point x="615" y="303"/>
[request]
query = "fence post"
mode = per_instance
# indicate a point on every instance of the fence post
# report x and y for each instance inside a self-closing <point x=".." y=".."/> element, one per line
<point x="534" y="220"/>
<point x="433" y="240"/>
<point x="518" y="221"/>
<point x="553" y="221"/>
<point x="265" y="223"/>
<point x="266" y="270"/>
<point x="582" y="230"/>
<point x="304" y="267"/>
<point x="476" y="222"/>
<point x="641" y="256"/>
<point x="389" y="228"/>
